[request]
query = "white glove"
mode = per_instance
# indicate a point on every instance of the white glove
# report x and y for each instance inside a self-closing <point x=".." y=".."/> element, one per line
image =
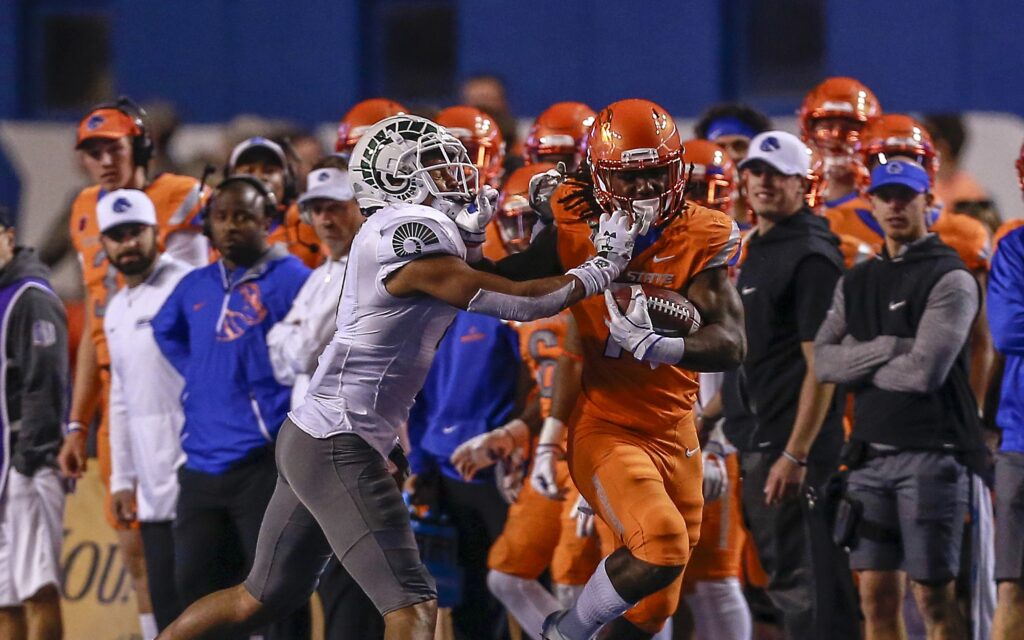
<point x="542" y="186"/>
<point x="545" y="459"/>
<point x="583" y="514"/>
<point x="482" y="451"/>
<point x="615" y="237"/>
<point x="634" y="331"/>
<point x="472" y="219"/>
<point x="716" y="476"/>
<point x="509" y="473"/>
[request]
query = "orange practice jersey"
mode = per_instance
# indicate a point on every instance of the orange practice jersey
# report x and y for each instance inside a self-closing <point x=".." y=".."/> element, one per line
<point x="542" y="342"/>
<point x="299" y="238"/>
<point x="177" y="202"/>
<point x="850" y="218"/>
<point x="617" y="387"/>
<point x="966" y="236"/>
<point x="1003" y="230"/>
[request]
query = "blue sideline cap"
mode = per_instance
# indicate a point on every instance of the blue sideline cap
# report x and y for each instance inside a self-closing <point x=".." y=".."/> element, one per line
<point x="904" y="172"/>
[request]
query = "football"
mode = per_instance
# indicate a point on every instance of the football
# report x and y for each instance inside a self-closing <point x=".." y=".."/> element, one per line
<point x="673" y="315"/>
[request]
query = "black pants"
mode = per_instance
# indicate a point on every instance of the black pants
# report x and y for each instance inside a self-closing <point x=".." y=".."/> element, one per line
<point x="158" y="549"/>
<point x="478" y="512"/>
<point x="809" y="578"/>
<point x="348" y="613"/>
<point x="215" y="532"/>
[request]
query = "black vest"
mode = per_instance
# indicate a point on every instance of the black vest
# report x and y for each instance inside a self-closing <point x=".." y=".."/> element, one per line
<point x="888" y="297"/>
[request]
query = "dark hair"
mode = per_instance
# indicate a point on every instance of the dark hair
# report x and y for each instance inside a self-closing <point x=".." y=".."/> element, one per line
<point x="948" y="127"/>
<point x="332" y="161"/>
<point x="6" y="218"/>
<point x="744" y="113"/>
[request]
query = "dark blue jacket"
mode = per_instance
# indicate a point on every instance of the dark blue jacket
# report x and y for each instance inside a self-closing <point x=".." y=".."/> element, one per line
<point x="471" y="389"/>
<point x="213" y="329"/>
<point x="1006" y="320"/>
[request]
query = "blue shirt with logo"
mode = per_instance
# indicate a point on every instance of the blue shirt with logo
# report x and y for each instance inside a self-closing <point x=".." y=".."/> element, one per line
<point x="1006" y="320"/>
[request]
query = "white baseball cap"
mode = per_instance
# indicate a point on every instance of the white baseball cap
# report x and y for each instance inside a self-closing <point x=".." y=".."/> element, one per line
<point x="125" y="206"/>
<point x="328" y="183"/>
<point x="783" y="151"/>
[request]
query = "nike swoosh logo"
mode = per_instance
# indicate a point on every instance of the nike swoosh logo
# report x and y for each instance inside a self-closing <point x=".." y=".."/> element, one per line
<point x="658" y="259"/>
<point x="690" y="452"/>
<point x="748" y="290"/>
<point x="448" y="430"/>
<point x="896" y="305"/>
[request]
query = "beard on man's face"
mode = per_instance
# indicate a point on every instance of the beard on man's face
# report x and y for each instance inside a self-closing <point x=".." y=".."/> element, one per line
<point x="134" y="262"/>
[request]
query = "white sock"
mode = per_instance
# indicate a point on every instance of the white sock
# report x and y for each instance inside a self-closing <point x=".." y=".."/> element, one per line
<point x="567" y="594"/>
<point x="598" y="605"/>
<point x="147" y="623"/>
<point x="527" y="601"/>
<point x="720" y="611"/>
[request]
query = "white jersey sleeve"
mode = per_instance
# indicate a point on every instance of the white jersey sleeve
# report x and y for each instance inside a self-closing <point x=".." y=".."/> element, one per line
<point x="415" y="232"/>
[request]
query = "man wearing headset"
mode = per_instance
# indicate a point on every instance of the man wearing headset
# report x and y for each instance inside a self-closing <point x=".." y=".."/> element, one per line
<point x="213" y="330"/>
<point x="115" y="148"/>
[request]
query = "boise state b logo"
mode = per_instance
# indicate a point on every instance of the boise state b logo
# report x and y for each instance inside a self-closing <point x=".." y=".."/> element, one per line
<point x="94" y="122"/>
<point x="121" y="205"/>
<point x="771" y="143"/>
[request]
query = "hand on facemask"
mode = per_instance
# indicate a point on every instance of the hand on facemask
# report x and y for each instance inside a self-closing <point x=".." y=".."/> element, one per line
<point x="472" y="219"/>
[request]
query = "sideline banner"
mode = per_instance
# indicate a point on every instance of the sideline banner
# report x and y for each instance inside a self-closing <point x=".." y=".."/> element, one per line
<point x="99" y="601"/>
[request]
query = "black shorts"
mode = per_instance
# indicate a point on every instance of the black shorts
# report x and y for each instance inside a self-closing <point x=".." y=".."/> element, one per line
<point x="1009" y="516"/>
<point x="336" y="494"/>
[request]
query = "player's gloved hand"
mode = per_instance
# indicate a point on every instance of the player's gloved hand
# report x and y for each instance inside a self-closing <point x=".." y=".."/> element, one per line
<point x="634" y="331"/>
<point x="546" y="456"/>
<point x="472" y="219"/>
<point x="716" y="476"/>
<point x="615" y="237"/>
<point x="540" y="189"/>
<point x="509" y="474"/>
<point x="584" y="516"/>
<point x="482" y="451"/>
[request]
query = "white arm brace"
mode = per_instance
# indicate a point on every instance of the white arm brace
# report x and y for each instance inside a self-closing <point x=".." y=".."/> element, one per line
<point x="520" y="308"/>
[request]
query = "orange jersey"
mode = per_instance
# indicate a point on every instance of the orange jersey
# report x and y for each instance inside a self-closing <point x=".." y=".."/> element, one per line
<point x="617" y="387"/>
<point x="966" y="236"/>
<point x="494" y="249"/>
<point x="177" y="202"/>
<point x="860" y="235"/>
<point x="1003" y="230"/>
<point x="299" y="238"/>
<point x="541" y="342"/>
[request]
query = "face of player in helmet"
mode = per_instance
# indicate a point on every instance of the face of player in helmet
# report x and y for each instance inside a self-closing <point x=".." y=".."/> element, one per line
<point x="901" y="212"/>
<point x="109" y="162"/>
<point x="771" y="194"/>
<point x="835" y="136"/>
<point x="264" y="166"/>
<point x="238" y="224"/>
<point x="640" y="184"/>
<point x="516" y="220"/>
<point x="336" y="223"/>
<point x="131" y="247"/>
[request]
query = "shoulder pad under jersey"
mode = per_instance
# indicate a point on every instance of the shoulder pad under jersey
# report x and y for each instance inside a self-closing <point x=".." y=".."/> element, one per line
<point x="413" y="231"/>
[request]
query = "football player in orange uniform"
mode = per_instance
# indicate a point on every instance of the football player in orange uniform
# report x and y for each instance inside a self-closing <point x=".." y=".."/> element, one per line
<point x="479" y="133"/>
<point x="633" y="441"/>
<point x="831" y="119"/>
<point x="558" y="135"/>
<point x="115" y="149"/>
<point x="270" y="162"/>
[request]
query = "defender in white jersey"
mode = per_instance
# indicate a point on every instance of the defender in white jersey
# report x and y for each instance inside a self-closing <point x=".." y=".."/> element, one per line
<point x="407" y="274"/>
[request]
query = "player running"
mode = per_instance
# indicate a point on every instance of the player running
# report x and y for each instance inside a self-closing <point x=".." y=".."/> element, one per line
<point x="406" y="276"/>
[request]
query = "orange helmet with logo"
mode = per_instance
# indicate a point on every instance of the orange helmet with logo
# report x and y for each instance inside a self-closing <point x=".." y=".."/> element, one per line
<point x="480" y="134"/>
<point x="515" y="218"/>
<point x="632" y="136"/>
<point x="560" y="130"/>
<point x="361" y="117"/>
<point x="843" y="98"/>
<point x="896" y="134"/>
<point x="711" y="176"/>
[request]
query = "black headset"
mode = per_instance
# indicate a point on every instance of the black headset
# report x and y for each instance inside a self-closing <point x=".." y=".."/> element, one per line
<point x="270" y="211"/>
<point x="142" y="144"/>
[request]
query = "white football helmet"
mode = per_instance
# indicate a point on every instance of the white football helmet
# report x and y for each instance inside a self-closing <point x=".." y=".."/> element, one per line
<point x="407" y="158"/>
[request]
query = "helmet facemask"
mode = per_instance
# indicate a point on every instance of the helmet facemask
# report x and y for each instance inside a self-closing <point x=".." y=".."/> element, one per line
<point x="655" y="210"/>
<point x="516" y="220"/>
<point x="441" y="165"/>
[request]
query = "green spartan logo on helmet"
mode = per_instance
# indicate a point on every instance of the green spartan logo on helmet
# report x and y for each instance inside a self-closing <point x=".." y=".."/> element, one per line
<point x="370" y="164"/>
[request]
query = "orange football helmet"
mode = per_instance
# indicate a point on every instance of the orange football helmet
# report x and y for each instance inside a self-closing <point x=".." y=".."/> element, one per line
<point x="480" y="134"/>
<point x="849" y="102"/>
<point x="711" y="176"/>
<point x="361" y="117"/>
<point x="637" y="137"/>
<point x="560" y="130"/>
<point x="515" y="218"/>
<point x="895" y="134"/>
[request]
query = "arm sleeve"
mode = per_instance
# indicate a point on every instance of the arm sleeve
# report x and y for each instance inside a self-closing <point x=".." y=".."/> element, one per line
<point x="539" y="260"/>
<point x="38" y="344"/>
<point x="123" y="474"/>
<point x="814" y="283"/>
<point x="838" y="356"/>
<point x="1006" y="296"/>
<point x="170" y="329"/>
<point x="941" y="334"/>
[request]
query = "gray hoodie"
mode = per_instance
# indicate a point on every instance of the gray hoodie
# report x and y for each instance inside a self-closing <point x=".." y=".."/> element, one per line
<point x="37" y="367"/>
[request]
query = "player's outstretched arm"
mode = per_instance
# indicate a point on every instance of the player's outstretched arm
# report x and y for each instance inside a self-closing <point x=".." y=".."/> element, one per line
<point x="450" y="279"/>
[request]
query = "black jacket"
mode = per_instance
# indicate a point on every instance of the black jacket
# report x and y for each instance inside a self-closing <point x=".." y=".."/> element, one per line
<point x="37" y="367"/>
